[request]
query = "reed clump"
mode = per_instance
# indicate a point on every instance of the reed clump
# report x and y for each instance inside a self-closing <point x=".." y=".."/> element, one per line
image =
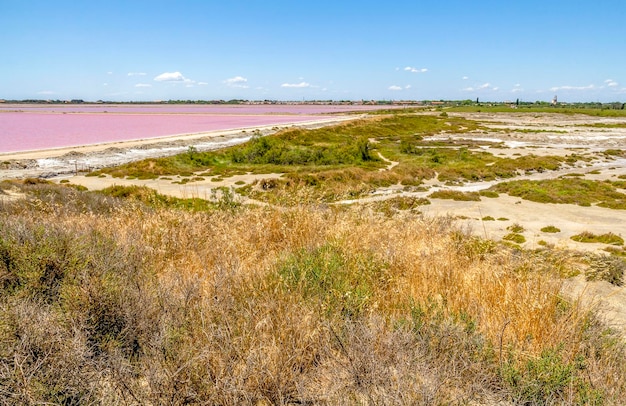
<point x="111" y="301"/>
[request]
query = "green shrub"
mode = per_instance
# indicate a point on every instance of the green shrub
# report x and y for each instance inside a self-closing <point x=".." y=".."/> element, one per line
<point x="488" y="193"/>
<point x="551" y="229"/>
<point x="607" y="268"/>
<point x="607" y="238"/>
<point x="332" y="278"/>
<point x="515" y="237"/>
<point x="571" y="191"/>
<point x="547" y="380"/>
<point x="515" y="228"/>
<point x="455" y="195"/>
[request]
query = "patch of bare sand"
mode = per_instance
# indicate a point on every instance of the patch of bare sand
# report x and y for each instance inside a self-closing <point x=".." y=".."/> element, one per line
<point x="608" y="301"/>
<point x="12" y="194"/>
<point x="570" y="219"/>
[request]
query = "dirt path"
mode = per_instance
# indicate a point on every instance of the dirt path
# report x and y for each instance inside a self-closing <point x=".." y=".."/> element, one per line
<point x="391" y="164"/>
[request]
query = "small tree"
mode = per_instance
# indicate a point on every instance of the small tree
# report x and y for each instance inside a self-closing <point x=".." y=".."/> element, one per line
<point x="191" y="151"/>
<point x="364" y="149"/>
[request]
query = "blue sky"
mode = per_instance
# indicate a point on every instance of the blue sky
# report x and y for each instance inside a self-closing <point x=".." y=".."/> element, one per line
<point x="303" y="50"/>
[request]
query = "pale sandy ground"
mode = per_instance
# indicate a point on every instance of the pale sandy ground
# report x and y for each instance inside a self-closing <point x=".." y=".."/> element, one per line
<point x="538" y="134"/>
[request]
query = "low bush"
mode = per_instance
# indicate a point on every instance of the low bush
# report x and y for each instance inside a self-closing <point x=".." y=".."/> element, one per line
<point x="607" y="238"/>
<point x="572" y="191"/>
<point x="606" y="268"/>
<point x="515" y="237"/>
<point x="455" y="195"/>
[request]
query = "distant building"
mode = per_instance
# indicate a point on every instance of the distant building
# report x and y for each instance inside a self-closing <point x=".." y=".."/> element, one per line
<point x="554" y="101"/>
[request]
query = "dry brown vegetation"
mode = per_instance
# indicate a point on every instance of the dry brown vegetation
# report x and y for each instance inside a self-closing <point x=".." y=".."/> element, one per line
<point x="109" y="301"/>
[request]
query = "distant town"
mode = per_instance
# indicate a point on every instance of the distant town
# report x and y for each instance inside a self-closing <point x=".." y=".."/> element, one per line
<point x="412" y="103"/>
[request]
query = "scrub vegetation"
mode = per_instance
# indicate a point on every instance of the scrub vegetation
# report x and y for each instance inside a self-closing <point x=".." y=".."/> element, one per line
<point x="349" y="160"/>
<point x="125" y="297"/>
<point x="565" y="190"/>
<point x="608" y="238"/>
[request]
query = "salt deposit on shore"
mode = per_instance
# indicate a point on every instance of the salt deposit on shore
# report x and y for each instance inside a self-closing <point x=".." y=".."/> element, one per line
<point x="62" y="161"/>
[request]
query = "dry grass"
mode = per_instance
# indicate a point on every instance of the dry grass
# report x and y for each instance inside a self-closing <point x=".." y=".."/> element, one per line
<point x="115" y="303"/>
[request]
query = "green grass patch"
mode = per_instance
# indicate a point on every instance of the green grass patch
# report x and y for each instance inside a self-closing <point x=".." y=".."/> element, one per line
<point x="151" y="198"/>
<point x="515" y="237"/>
<point x="571" y="191"/>
<point x="550" y="229"/>
<point x="515" y="228"/>
<point x="455" y="195"/>
<point x="544" y="379"/>
<point x="399" y="203"/>
<point x="461" y="163"/>
<point x="523" y="109"/>
<point x="607" y="238"/>
<point x="615" y="152"/>
<point x="489" y="193"/>
<point x="333" y="279"/>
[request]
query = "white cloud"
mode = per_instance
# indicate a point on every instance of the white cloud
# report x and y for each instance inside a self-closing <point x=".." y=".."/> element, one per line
<point x="237" y="81"/>
<point x="415" y="70"/>
<point x="296" y="85"/>
<point x="557" y="88"/>
<point x="143" y="85"/>
<point x="171" y="77"/>
<point x="48" y="92"/>
<point x="202" y="83"/>
<point x="407" y="86"/>
<point x="465" y="77"/>
<point x="611" y="83"/>
<point x="109" y="73"/>
<point x="484" y="86"/>
<point x="137" y="74"/>
<point x="394" y="87"/>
